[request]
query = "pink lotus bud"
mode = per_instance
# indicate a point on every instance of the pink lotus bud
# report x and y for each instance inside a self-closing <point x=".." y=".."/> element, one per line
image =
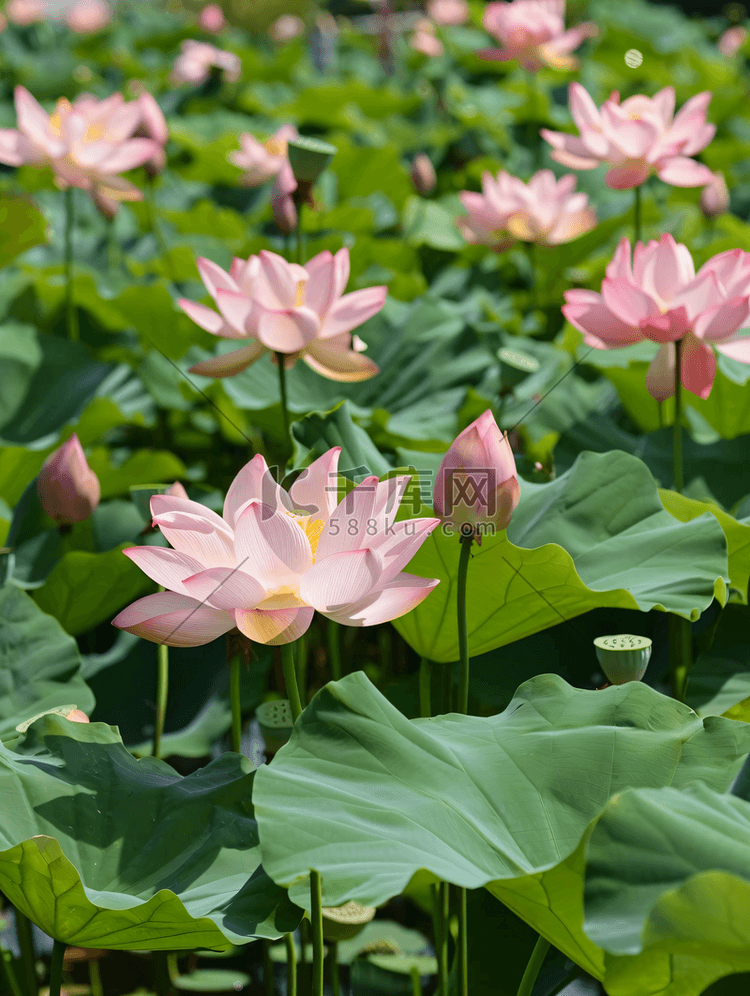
<point x="177" y="491"/>
<point x="732" y="40"/>
<point x="423" y="40"/>
<point x="476" y="484"/>
<point x="68" y="489"/>
<point x="423" y="175"/>
<point x="87" y="16"/>
<point x="212" y="19"/>
<point x="285" y="28"/>
<point x="282" y="204"/>
<point x="448" y="12"/>
<point x="715" y="197"/>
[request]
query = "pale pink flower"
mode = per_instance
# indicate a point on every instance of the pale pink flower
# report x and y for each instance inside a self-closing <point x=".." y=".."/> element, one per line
<point x="732" y="40"/>
<point x="262" y="160"/>
<point x="177" y="490"/>
<point x="286" y="27"/>
<point x="423" y="174"/>
<point x="77" y="716"/>
<point x="87" y="16"/>
<point x="715" y="197"/>
<point x="423" y="40"/>
<point x="545" y="211"/>
<point x="23" y="12"/>
<point x="280" y="307"/>
<point x="68" y="489"/>
<point x="86" y="143"/>
<point x="282" y="203"/>
<point x="448" y="12"/>
<point x="212" y="19"/>
<point x="195" y="61"/>
<point x="533" y="32"/>
<point x="476" y="485"/>
<point x="276" y="556"/>
<point x="636" y="138"/>
<point x="660" y="297"/>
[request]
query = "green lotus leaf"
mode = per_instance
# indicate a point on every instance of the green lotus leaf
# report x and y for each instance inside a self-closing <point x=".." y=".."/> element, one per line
<point x="598" y="536"/>
<point x="40" y="667"/>
<point x="102" y="850"/>
<point x="668" y="889"/>
<point x="370" y="798"/>
<point x="719" y="682"/>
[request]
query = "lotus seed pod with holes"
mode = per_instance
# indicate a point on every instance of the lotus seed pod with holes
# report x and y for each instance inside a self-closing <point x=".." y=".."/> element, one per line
<point x="141" y="495"/>
<point x="340" y="923"/>
<point x="308" y="157"/>
<point x="275" y="721"/>
<point x="516" y="366"/>
<point x="624" y="657"/>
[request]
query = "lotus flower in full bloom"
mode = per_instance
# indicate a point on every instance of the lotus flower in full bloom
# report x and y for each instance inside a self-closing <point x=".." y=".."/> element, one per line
<point x="638" y="137"/>
<point x="86" y="143"/>
<point x="68" y="488"/>
<point x="274" y="557"/>
<point x="545" y="211"/>
<point x="659" y="296"/>
<point x="195" y="61"/>
<point x="476" y="485"/>
<point x="300" y="311"/>
<point x="533" y="32"/>
<point x="263" y="160"/>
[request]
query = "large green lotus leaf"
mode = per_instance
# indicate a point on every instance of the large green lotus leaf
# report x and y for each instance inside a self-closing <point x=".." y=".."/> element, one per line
<point x="737" y="534"/>
<point x="370" y="798"/>
<point x="668" y="889"/>
<point x="102" y="850"/>
<point x="596" y="536"/>
<point x="719" y="682"/>
<point x="20" y="356"/>
<point x="142" y="467"/>
<point x="40" y="667"/>
<point x="22" y="225"/>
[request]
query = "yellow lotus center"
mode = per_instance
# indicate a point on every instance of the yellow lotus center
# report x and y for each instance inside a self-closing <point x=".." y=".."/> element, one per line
<point x="299" y="298"/>
<point x="635" y="116"/>
<point x="274" y="147"/>
<point x="55" y="120"/>
<point x="93" y="132"/>
<point x="312" y="528"/>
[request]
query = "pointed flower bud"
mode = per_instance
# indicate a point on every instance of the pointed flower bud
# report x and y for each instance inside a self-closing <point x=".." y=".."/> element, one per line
<point x="624" y="657"/>
<point x="715" y="197"/>
<point x="68" y="489"/>
<point x="423" y="175"/>
<point x="476" y="485"/>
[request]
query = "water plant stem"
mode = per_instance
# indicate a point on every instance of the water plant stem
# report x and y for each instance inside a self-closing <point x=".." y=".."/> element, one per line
<point x="531" y="253"/>
<point x="300" y="253"/>
<point x="280" y="357"/>
<point x="463" y="632"/>
<point x="291" y="965"/>
<point x="463" y="944"/>
<point x="26" y="944"/>
<point x="316" y="925"/>
<point x="290" y="679"/>
<point x="95" y="978"/>
<point x="437" y="929"/>
<point x="677" y="428"/>
<point x="416" y="982"/>
<point x="637" y="215"/>
<point x="425" y="679"/>
<point x="162" y="690"/>
<point x="70" y="308"/>
<point x="155" y="228"/>
<point x="534" y="966"/>
<point x="267" y="969"/>
<point x="334" y="649"/>
<point x="56" y="969"/>
<point x="7" y="975"/>
<point x="680" y="654"/>
<point x="235" y="677"/>
<point x="333" y="968"/>
<point x="444" y="913"/>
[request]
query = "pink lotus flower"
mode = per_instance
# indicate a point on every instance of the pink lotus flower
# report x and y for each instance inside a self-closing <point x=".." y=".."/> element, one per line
<point x="153" y="125"/>
<point x="211" y="18"/>
<point x="533" y="32"/>
<point x="195" y="61"/>
<point x="285" y="308"/>
<point x="423" y="175"/>
<point x="87" y="16"/>
<point x="636" y="138"/>
<point x="282" y="203"/>
<point x="476" y="484"/>
<point x="423" y="40"/>
<point x="68" y="489"/>
<point x="285" y="28"/>
<point x="449" y="13"/>
<point x="660" y="297"/>
<point x="715" y="197"/>
<point x="277" y="556"/>
<point x="732" y="40"/>
<point x="263" y="160"/>
<point x="544" y="211"/>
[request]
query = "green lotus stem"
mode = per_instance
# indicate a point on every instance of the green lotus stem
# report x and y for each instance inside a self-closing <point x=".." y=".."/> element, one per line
<point x="95" y="978"/>
<point x="416" y="982"/>
<point x="290" y="679"/>
<point x="280" y="357"/>
<point x="56" y="969"/>
<point x="437" y="928"/>
<point x="444" y="913"/>
<point x="447" y="690"/>
<point x="303" y="650"/>
<point x="70" y="308"/>
<point x="531" y="253"/>
<point x="162" y="690"/>
<point x="534" y="966"/>
<point x="637" y="215"/>
<point x="333" y="959"/>
<point x="300" y="249"/>
<point x="425" y="676"/>
<point x="463" y="944"/>
<point x="334" y="650"/>
<point x="680" y="654"/>
<point x="26" y="944"/>
<point x="291" y="965"/>
<point x="463" y="632"/>
<point x="677" y="428"/>
<point x="7" y="975"/>
<point x="155" y="227"/>
<point x="302" y="942"/>
<point x="267" y="968"/>
<point x="113" y="260"/>
<point x="235" y="675"/>
<point x="316" y="925"/>
<point x="385" y="650"/>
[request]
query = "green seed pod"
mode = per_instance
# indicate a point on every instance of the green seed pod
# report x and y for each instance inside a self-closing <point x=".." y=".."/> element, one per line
<point x="624" y="657"/>
<point x="275" y="722"/>
<point x="308" y="158"/>
<point x="342" y="922"/>
<point x="515" y="366"/>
